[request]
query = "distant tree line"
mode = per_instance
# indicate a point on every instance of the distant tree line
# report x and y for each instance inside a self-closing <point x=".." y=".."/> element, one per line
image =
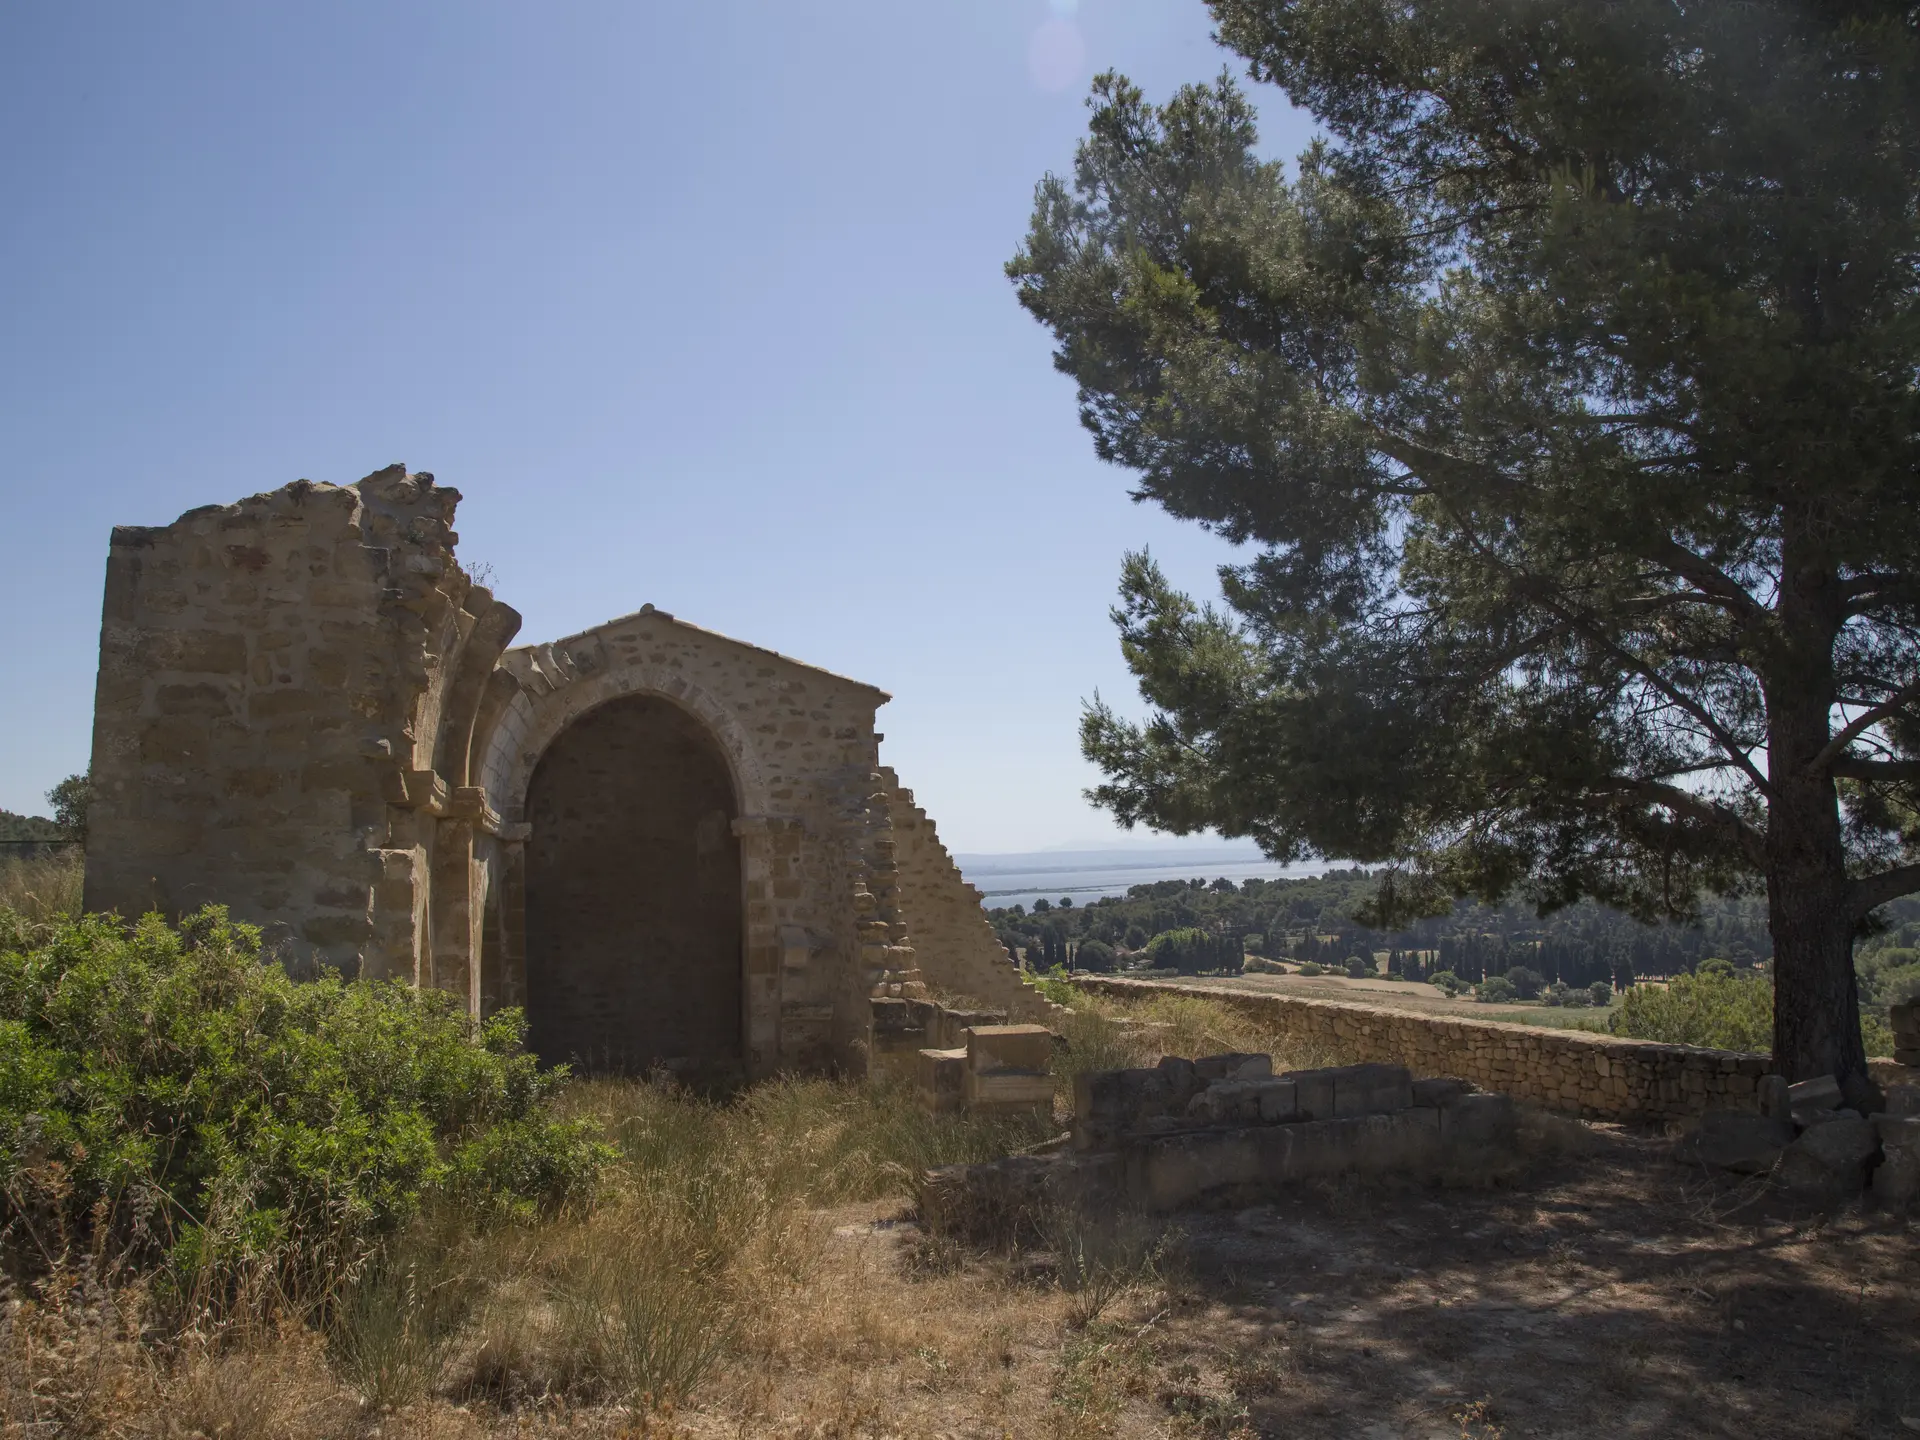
<point x="1196" y="925"/>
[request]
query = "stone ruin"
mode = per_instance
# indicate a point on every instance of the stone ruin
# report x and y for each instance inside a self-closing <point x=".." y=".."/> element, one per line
<point x="1813" y="1145"/>
<point x="1224" y="1129"/>
<point x="673" y="849"/>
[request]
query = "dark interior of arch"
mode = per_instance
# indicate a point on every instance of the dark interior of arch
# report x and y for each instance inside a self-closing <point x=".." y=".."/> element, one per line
<point x="633" y="896"/>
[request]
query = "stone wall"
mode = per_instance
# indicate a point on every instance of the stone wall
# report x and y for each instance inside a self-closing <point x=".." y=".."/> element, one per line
<point x="1600" y="1077"/>
<point x="271" y="673"/>
<point x="959" y="954"/>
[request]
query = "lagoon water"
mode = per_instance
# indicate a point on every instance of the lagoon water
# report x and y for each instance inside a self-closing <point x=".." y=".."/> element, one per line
<point x="1085" y="875"/>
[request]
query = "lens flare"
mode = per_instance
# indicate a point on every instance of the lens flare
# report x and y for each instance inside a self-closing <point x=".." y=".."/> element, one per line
<point x="1055" y="55"/>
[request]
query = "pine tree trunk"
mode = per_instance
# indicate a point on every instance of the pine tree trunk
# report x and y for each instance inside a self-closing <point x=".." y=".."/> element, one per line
<point x="1816" y="1017"/>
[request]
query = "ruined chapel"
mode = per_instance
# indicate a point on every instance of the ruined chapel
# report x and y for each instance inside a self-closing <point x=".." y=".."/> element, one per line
<point x="671" y="848"/>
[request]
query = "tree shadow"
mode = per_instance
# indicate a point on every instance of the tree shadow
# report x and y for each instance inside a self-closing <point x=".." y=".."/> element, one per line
<point x="1611" y="1293"/>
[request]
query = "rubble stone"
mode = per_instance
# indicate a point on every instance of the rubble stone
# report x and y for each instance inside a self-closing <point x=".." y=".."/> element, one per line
<point x="1810" y="1097"/>
<point x="1737" y="1140"/>
<point x="1829" y="1160"/>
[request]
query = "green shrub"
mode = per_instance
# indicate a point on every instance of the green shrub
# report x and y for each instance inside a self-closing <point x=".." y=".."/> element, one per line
<point x="1721" y="1011"/>
<point x="1093" y="955"/>
<point x="1446" y="982"/>
<point x="1359" y="968"/>
<point x="1191" y="951"/>
<point x="1600" y="993"/>
<point x="165" y="1090"/>
<point x="1495" y="990"/>
<point x="1526" y="982"/>
<point x="1311" y="968"/>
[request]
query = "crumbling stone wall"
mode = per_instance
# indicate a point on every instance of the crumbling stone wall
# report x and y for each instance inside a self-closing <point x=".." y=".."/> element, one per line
<point x="958" y="950"/>
<point x="307" y="712"/>
<point x="272" y="673"/>
<point x="1600" y="1077"/>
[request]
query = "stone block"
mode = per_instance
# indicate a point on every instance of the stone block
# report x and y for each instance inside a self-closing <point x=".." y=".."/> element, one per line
<point x="1736" y="1140"/>
<point x="1438" y="1091"/>
<point x="1903" y="1100"/>
<point x="1211" y="1069"/>
<point x="941" y="1079"/>
<point x="1174" y="1171"/>
<point x="1896" y="1181"/>
<point x="1371" y="1089"/>
<point x="1345" y="1090"/>
<point x="1111" y="1104"/>
<point x="1009" y="1047"/>
<point x="1313" y="1093"/>
<point x="1006" y="1091"/>
<point x="1244" y="1102"/>
<point x="1828" y="1161"/>
<point x="1774" y="1097"/>
<point x="1809" y="1097"/>
<point x="1482" y="1121"/>
<point x="1182" y="1079"/>
<point x="1905" y="1020"/>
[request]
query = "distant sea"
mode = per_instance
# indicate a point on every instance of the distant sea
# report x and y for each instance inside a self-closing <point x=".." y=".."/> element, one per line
<point x="1085" y="875"/>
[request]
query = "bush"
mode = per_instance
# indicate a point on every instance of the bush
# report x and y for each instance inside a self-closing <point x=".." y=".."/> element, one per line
<point x="1446" y="982"/>
<point x="163" y="1089"/>
<point x="1496" y="990"/>
<point x="1600" y="993"/>
<point x="1526" y="983"/>
<point x="1094" y="955"/>
<point x="1359" y="968"/>
<point x="1721" y="1011"/>
<point x="1714" y="965"/>
<point x="1311" y="968"/>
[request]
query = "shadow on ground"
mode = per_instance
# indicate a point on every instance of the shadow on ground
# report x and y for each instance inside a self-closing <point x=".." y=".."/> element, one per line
<point x="1611" y="1293"/>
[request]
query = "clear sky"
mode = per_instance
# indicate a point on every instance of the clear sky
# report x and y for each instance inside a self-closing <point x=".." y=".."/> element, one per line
<point x="696" y="304"/>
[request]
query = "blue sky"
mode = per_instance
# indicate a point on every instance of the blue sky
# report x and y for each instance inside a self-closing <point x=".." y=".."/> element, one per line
<point x="697" y="304"/>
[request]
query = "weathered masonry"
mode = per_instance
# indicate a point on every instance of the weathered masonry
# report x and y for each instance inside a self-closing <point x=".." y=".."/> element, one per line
<point x="673" y="849"/>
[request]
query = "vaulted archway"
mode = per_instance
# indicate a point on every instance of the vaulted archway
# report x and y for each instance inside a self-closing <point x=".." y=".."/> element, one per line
<point x="634" y="935"/>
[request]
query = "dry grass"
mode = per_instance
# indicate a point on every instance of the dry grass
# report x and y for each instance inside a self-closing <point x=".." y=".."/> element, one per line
<point x="755" y="1272"/>
<point x="43" y="888"/>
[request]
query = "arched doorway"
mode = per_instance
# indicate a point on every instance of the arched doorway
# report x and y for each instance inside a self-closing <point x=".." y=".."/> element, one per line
<point x="633" y="900"/>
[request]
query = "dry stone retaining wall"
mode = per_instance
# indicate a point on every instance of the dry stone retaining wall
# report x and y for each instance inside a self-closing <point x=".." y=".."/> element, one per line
<point x="1599" y="1077"/>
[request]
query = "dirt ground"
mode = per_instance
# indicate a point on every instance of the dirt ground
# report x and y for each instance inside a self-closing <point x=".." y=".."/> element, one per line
<point x="1610" y="1293"/>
